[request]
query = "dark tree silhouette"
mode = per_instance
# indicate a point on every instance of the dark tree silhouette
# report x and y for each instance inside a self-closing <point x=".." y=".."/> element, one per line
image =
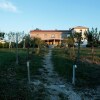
<point x="93" y="39"/>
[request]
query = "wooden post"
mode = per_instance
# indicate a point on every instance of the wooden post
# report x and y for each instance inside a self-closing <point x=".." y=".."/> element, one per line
<point x="24" y="43"/>
<point x="28" y="72"/>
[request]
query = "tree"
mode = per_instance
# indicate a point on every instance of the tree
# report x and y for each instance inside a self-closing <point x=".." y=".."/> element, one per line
<point x="78" y="37"/>
<point x="17" y="48"/>
<point x="37" y="29"/>
<point x="12" y="38"/>
<point x="99" y="39"/>
<point x="93" y="40"/>
<point x="2" y="34"/>
<point x="36" y="43"/>
<point x="69" y="43"/>
<point x="27" y="44"/>
<point x="93" y="37"/>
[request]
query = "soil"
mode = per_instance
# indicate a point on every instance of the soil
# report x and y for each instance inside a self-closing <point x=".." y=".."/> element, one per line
<point x="48" y="85"/>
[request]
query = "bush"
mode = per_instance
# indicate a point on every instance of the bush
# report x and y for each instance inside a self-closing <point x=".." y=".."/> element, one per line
<point x="6" y="45"/>
<point x="20" y="45"/>
<point x="90" y="45"/>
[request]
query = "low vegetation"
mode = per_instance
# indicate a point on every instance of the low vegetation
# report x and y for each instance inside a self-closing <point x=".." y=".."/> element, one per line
<point x="13" y="78"/>
<point x="87" y="72"/>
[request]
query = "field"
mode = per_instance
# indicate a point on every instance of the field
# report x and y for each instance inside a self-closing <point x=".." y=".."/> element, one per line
<point x="13" y="78"/>
<point x="87" y="72"/>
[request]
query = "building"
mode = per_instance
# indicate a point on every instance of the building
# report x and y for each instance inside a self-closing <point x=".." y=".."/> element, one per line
<point x="80" y="29"/>
<point x="51" y="37"/>
<point x="54" y="37"/>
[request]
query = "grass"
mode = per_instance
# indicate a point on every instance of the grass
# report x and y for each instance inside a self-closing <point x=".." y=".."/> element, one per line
<point x="87" y="73"/>
<point x="61" y="64"/>
<point x="13" y="78"/>
<point x="86" y="53"/>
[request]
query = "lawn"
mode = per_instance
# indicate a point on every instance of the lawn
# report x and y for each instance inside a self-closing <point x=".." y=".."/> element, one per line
<point x="13" y="78"/>
<point x="87" y="73"/>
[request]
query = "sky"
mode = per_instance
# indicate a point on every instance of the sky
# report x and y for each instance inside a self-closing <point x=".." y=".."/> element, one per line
<point x="26" y="15"/>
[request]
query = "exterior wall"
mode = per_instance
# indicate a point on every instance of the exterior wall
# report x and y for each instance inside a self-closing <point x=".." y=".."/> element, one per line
<point x="46" y="35"/>
<point x="81" y="30"/>
<point x="51" y="37"/>
<point x="56" y="36"/>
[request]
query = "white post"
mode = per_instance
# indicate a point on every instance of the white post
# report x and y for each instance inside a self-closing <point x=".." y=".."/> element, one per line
<point x="24" y="43"/>
<point x="73" y="77"/>
<point x="28" y="71"/>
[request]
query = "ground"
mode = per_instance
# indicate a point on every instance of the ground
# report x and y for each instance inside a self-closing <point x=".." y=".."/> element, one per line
<point x="48" y="85"/>
<point x="46" y="82"/>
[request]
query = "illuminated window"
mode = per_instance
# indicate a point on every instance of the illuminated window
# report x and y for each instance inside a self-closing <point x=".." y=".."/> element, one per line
<point x="52" y="36"/>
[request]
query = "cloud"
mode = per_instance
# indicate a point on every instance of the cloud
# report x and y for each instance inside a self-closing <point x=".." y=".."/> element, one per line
<point x="8" y="6"/>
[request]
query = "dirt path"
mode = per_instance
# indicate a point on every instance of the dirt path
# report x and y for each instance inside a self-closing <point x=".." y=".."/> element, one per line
<point x="49" y="86"/>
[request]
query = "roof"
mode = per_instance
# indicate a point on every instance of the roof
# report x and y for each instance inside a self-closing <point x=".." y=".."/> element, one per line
<point x="50" y="31"/>
<point x="80" y="27"/>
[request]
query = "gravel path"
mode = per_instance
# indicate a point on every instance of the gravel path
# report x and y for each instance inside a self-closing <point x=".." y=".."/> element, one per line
<point x="49" y="86"/>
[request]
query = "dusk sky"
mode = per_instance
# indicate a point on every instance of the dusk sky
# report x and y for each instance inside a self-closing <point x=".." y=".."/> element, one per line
<point x="25" y="15"/>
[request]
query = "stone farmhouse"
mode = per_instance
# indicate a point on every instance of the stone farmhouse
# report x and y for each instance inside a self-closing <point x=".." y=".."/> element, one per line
<point x="54" y="37"/>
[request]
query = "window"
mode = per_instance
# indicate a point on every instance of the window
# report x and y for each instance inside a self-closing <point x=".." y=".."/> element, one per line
<point x="52" y="36"/>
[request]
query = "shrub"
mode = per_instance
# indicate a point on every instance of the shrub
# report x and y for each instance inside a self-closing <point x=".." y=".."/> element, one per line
<point x="6" y="45"/>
